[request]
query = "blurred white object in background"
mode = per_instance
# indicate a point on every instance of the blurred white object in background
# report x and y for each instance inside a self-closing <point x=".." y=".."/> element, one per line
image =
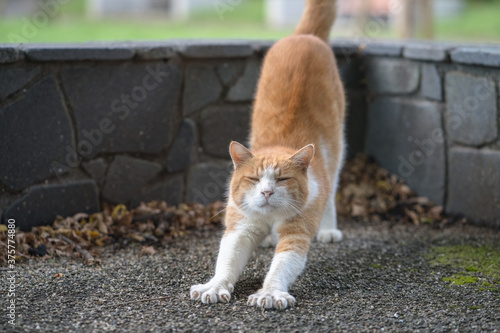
<point x="182" y="9"/>
<point x="176" y="9"/>
<point x="448" y="8"/>
<point x="17" y="8"/>
<point x="286" y="13"/>
<point x="283" y="13"/>
<point x="100" y="8"/>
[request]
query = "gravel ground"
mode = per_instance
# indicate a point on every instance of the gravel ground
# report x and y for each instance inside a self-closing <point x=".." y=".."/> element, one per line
<point x="376" y="279"/>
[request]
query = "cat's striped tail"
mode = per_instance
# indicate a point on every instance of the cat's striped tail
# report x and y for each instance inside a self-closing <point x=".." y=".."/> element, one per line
<point x="318" y="18"/>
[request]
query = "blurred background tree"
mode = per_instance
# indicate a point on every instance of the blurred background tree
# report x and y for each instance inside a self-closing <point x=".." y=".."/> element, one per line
<point x="94" y="20"/>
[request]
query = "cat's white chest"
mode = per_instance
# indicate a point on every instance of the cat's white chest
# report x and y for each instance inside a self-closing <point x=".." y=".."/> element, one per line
<point x="273" y="237"/>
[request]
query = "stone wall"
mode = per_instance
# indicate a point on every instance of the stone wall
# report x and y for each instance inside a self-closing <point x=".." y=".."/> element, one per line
<point x="131" y="122"/>
<point x="433" y="120"/>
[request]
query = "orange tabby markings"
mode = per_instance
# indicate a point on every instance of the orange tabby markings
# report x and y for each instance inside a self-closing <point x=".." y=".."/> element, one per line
<point x="285" y="184"/>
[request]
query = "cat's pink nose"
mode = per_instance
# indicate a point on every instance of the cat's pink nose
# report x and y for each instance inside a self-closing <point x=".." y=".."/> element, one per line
<point x="267" y="194"/>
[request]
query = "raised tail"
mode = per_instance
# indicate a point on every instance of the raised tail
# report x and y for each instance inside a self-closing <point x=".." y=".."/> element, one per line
<point x="318" y="18"/>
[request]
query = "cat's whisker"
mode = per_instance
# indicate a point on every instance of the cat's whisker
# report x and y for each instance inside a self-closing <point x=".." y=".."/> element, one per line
<point x="223" y="210"/>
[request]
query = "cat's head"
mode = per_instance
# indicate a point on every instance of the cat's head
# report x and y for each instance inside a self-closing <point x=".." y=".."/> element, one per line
<point x="273" y="182"/>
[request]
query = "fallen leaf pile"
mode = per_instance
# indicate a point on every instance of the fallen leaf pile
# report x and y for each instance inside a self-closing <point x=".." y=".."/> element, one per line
<point x="82" y="235"/>
<point x="369" y="192"/>
<point x="366" y="192"/>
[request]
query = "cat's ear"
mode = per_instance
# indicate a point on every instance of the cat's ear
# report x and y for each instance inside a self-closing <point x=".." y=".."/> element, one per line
<point x="304" y="156"/>
<point x="239" y="153"/>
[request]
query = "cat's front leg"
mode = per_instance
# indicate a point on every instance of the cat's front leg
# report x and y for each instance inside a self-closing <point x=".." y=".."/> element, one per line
<point x="212" y="292"/>
<point x="287" y="264"/>
<point x="235" y="250"/>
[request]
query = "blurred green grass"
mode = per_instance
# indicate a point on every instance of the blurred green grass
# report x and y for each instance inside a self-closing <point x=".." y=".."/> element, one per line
<point x="479" y="23"/>
<point x="244" y="21"/>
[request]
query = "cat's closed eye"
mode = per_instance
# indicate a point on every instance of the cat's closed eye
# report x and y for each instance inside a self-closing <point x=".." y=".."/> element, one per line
<point x="253" y="179"/>
<point x="283" y="179"/>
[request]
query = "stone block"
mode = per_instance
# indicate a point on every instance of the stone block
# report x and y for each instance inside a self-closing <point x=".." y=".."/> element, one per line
<point x="97" y="169"/>
<point x="35" y="132"/>
<point x="13" y="79"/>
<point x="229" y="70"/>
<point x="216" y="49"/>
<point x="472" y="117"/>
<point x="201" y="87"/>
<point x="207" y="182"/>
<point x="154" y="50"/>
<point x="392" y="76"/>
<point x="183" y="151"/>
<point x="170" y="190"/>
<point x="383" y="49"/>
<point x="43" y="203"/>
<point x="7" y="199"/>
<point x="9" y="54"/>
<point x="427" y="51"/>
<point x="222" y="124"/>
<point x="474" y="184"/>
<point x="78" y="52"/>
<point x="126" y="176"/>
<point x="355" y="124"/>
<point x="123" y="107"/>
<point x="431" y="86"/>
<point x="484" y="56"/>
<point x="245" y="87"/>
<point x="406" y="138"/>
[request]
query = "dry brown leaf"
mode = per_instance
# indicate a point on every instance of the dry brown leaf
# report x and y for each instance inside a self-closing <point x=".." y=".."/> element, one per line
<point x="358" y="209"/>
<point x="413" y="216"/>
<point x="102" y="227"/>
<point x="31" y="238"/>
<point x="119" y="211"/>
<point x="143" y="209"/>
<point x="126" y="219"/>
<point x="147" y="250"/>
<point x="136" y="237"/>
<point x="436" y="212"/>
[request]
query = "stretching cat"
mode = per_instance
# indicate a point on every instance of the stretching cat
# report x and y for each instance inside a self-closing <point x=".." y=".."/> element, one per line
<point x="278" y="188"/>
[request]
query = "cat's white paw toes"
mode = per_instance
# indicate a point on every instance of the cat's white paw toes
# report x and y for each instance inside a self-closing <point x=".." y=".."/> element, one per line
<point x="329" y="236"/>
<point x="271" y="299"/>
<point x="267" y="242"/>
<point x="212" y="292"/>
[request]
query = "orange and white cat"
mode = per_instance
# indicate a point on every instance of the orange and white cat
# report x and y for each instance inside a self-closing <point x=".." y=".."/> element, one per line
<point x="282" y="191"/>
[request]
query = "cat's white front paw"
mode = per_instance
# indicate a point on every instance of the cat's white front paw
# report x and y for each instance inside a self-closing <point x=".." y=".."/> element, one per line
<point x="212" y="292"/>
<point x="329" y="236"/>
<point x="271" y="299"/>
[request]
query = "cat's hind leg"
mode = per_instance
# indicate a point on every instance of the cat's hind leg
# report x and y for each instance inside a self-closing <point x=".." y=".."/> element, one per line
<point x="328" y="231"/>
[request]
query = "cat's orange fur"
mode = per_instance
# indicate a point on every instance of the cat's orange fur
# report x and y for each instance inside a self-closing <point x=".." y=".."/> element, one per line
<point x="286" y="182"/>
